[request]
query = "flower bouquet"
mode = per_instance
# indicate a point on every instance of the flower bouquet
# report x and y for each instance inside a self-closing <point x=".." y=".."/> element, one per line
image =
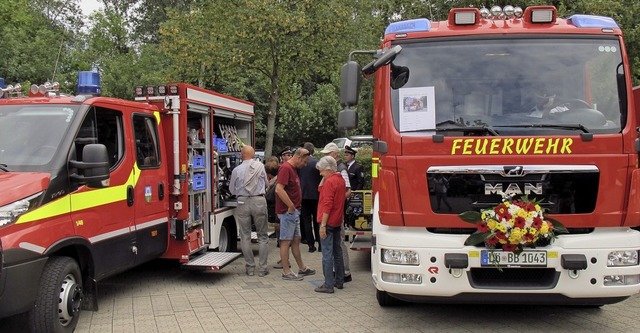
<point x="512" y="225"/>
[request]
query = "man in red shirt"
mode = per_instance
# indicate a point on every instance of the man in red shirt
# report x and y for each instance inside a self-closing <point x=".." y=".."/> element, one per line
<point x="330" y="215"/>
<point x="288" y="204"/>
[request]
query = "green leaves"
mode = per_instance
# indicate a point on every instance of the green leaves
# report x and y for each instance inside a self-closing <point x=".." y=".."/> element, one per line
<point x="476" y="238"/>
<point x="471" y="217"/>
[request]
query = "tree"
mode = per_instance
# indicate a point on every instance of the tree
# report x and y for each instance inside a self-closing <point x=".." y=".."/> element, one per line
<point x="282" y="42"/>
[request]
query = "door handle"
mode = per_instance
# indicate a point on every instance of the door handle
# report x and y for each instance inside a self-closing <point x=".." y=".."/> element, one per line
<point x="161" y="191"/>
<point x="130" y="195"/>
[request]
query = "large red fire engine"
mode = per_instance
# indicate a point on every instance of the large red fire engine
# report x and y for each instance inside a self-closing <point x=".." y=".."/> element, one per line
<point x="93" y="186"/>
<point x="494" y="103"/>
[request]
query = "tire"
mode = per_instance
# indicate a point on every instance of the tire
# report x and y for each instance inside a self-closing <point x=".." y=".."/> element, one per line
<point x="385" y="299"/>
<point x="228" y="237"/>
<point x="60" y="296"/>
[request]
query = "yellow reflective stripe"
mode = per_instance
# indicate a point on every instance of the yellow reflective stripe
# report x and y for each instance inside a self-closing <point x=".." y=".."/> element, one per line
<point x="157" y="115"/>
<point x="83" y="200"/>
<point x="57" y="207"/>
<point x="375" y="166"/>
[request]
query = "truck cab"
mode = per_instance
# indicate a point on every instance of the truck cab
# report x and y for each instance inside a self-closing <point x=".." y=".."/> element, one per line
<point x="495" y="103"/>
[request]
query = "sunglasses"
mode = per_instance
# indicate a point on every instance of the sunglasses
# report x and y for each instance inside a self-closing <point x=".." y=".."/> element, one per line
<point x="304" y="155"/>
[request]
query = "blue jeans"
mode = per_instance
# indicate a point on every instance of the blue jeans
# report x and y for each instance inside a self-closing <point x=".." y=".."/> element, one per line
<point x="332" y="257"/>
<point x="289" y="225"/>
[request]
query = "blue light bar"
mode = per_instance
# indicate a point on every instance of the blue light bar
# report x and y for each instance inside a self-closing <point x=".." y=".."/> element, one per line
<point x="1" y="82"/>
<point x="593" y="21"/>
<point x="88" y="83"/>
<point x="421" y="24"/>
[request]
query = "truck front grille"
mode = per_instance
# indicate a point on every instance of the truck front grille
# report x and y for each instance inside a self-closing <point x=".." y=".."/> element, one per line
<point x="513" y="278"/>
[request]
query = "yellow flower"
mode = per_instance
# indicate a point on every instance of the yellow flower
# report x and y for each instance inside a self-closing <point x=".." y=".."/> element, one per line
<point x="501" y="227"/>
<point x="491" y="224"/>
<point x="522" y="213"/>
<point x="483" y="216"/>
<point x="544" y="228"/>
<point x="515" y="236"/>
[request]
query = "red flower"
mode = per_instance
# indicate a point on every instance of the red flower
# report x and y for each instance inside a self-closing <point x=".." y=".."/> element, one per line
<point x="509" y="247"/>
<point x="528" y="238"/>
<point x="537" y="223"/>
<point x="531" y="207"/>
<point x="482" y="227"/>
<point x="502" y="211"/>
<point x="501" y="235"/>
<point x="492" y="241"/>
<point x="519" y="222"/>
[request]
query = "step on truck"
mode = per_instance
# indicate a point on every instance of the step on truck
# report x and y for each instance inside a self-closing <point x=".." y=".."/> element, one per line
<point x="93" y="186"/>
<point x="495" y="102"/>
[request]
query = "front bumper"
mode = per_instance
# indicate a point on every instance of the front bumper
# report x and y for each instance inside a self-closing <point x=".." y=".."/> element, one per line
<point x="19" y="285"/>
<point x="433" y="281"/>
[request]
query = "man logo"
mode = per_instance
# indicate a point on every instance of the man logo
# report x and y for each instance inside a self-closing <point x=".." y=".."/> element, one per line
<point x="513" y="188"/>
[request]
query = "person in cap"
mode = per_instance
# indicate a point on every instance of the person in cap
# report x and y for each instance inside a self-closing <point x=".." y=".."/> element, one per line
<point x="331" y="149"/>
<point x="354" y="169"/>
<point x="285" y="154"/>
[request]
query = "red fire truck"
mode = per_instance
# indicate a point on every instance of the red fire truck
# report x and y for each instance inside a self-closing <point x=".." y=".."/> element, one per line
<point x="512" y="102"/>
<point x="93" y="186"/>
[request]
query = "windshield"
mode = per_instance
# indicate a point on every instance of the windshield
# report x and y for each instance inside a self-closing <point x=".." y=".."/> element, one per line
<point x="30" y="135"/>
<point x="508" y="84"/>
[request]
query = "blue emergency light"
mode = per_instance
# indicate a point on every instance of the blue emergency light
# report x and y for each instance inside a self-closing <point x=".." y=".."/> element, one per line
<point x="592" y="21"/>
<point x="88" y="83"/>
<point x="1" y="82"/>
<point x="415" y="25"/>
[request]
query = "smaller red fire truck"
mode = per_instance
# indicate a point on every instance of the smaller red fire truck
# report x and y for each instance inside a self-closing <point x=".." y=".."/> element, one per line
<point x="93" y="186"/>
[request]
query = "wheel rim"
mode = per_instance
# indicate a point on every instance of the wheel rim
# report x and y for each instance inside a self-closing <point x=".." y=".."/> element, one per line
<point x="70" y="300"/>
<point x="224" y="239"/>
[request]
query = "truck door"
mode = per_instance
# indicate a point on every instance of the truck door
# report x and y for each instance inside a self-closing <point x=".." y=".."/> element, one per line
<point x="102" y="216"/>
<point x="150" y="189"/>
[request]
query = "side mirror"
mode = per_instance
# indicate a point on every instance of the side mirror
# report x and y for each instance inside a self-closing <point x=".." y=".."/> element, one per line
<point x="347" y="119"/>
<point x="350" y="83"/>
<point x="94" y="168"/>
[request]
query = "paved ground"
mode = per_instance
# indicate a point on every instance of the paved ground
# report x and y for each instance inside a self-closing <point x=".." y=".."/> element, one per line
<point x="161" y="297"/>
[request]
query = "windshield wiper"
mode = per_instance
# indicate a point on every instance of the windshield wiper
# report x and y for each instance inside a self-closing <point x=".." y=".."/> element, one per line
<point x="4" y="168"/>
<point x="465" y="129"/>
<point x="468" y="129"/>
<point x="558" y="126"/>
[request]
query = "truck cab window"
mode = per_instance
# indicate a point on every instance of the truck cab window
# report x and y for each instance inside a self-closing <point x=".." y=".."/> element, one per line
<point x="146" y="136"/>
<point x="102" y="126"/>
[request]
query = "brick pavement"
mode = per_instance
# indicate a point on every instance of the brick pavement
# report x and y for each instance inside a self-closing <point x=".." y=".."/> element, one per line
<point x="161" y="297"/>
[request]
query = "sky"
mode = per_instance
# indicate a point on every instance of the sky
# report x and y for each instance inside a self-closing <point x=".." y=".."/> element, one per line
<point x="88" y="6"/>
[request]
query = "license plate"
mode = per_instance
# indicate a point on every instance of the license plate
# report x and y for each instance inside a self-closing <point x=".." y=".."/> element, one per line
<point x="510" y="259"/>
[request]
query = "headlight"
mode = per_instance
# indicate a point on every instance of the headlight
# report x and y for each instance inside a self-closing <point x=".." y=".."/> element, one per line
<point x="11" y="212"/>
<point x="400" y="257"/>
<point x="622" y="258"/>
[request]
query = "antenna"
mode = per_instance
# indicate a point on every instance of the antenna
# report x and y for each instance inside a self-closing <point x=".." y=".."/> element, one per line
<point x="53" y="77"/>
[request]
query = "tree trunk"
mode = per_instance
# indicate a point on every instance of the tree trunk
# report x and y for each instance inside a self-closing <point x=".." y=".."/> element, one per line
<point x="271" y="116"/>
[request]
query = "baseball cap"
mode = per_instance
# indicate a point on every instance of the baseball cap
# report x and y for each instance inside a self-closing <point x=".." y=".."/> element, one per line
<point x="330" y="148"/>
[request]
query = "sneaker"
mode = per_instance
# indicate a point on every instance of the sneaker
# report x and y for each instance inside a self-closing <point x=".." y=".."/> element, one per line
<point x="347" y="278"/>
<point x="307" y="271"/>
<point x="339" y="286"/>
<point x="324" y="289"/>
<point x="291" y="277"/>
<point x="312" y="249"/>
<point x="263" y="273"/>
<point x="250" y="272"/>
